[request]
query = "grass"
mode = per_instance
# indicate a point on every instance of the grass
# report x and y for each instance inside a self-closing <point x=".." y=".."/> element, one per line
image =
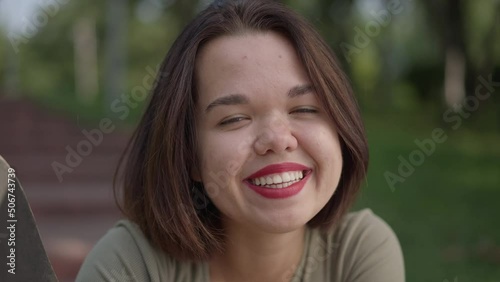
<point x="446" y="213"/>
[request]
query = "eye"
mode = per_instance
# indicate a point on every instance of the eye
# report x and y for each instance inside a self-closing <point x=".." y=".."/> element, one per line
<point x="305" y="110"/>
<point x="231" y="120"/>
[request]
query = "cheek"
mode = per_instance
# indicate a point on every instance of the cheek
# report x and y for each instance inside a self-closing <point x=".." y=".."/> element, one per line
<point x="323" y="144"/>
<point x="333" y="154"/>
<point x="320" y="137"/>
<point x="223" y="154"/>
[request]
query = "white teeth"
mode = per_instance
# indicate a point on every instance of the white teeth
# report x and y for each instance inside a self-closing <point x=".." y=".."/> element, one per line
<point x="284" y="185"/>
<point x="286" y="177"/>
<point x="279" y="180"/>
<point x="269" y="180"/>
<point x="262" y="181"/>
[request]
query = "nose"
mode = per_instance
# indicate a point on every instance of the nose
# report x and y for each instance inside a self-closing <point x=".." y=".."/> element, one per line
<point x="275" y="136"/>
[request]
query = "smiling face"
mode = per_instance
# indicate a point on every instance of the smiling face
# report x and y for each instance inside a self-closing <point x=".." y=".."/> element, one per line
<point x="269" y="156"/>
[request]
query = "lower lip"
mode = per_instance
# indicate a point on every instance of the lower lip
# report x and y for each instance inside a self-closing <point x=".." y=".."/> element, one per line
<point x="280" y="193"/>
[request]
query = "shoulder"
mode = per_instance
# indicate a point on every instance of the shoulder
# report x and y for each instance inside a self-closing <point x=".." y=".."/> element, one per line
<point x="365" y="226"/>
<point x="365" y="248"/>
<point x="122" y="254"/>
<point x="369" y="248"/>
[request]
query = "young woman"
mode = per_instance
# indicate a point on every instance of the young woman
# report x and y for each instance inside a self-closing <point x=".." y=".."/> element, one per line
<point x="245" y="163"/>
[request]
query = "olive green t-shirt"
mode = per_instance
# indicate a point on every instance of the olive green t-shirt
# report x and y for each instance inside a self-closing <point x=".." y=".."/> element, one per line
<point x="362" y="249"/>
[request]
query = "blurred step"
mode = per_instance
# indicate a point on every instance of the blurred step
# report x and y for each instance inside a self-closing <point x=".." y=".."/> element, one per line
<point x="73" y="214"/>
<point x="68" y="239"/>
<point x="87" y="198"/>
<point x="39" y="168"/>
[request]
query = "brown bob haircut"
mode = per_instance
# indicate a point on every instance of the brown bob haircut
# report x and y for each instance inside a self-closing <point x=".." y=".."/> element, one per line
<point x="172" y="210"/>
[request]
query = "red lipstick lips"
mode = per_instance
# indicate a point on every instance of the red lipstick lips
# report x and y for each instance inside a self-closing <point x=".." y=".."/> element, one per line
<point x="279" y="193"/>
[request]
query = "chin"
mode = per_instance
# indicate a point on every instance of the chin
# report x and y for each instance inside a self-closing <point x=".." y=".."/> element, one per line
<point x="283" y="222"/>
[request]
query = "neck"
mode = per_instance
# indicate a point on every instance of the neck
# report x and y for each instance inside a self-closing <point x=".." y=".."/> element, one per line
<point x="251" y="255"/>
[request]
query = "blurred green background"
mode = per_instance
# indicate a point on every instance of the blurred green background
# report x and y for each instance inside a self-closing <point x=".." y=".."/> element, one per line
<point x="416" y="67"/>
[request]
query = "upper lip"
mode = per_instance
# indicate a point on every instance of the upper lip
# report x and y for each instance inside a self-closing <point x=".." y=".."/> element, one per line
<point x="278" y="168"/>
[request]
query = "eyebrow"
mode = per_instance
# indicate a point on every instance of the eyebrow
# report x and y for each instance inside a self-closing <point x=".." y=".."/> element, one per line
<point x="300" y="90"/>
<point x="238" y="99"/>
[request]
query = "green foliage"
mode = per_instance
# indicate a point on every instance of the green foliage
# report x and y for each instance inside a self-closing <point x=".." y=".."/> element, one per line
<point x="480" y="18"/>
<point x="406" y="55"/>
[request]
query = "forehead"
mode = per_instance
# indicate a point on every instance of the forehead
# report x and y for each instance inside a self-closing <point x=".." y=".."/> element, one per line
<point x="247" y="51"/>
<point x="248" y="58"/>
